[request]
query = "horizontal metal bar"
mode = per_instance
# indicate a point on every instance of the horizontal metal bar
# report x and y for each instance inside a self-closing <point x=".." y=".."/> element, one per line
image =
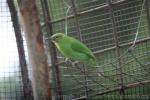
<point x="84" y="12"/>
<point x="126" y="87"/>
<point x="123" y="45"/>
<point x="117" y="89"/>
<point x="127" y="3"/>
<point x="127" y="8"/>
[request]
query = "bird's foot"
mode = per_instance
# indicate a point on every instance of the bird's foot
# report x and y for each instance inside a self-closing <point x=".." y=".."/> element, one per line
<point x="73" y="63"/>
<point x="67" y="60"/>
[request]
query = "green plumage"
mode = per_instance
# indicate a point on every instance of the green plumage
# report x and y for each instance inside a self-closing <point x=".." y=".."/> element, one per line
<point x="73" y="48"/>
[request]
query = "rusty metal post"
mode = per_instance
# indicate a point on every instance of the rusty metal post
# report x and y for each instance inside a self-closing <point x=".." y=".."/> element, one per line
<point x="119" y="67"/>
<point x="53" y="54"/>
<point x="37" y="58"/>
<point x="27" y="88"/>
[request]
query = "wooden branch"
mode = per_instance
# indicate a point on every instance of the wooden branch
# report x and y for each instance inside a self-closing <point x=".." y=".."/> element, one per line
<point x="36" y="52"/>
<point x="131" y="85"/>
<point x="117" y="89"/>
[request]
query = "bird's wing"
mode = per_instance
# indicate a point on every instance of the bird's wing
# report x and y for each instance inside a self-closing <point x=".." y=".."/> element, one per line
<point x="80" y="47"/>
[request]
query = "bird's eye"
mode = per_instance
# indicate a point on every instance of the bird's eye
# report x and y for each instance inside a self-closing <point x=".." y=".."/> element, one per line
<point x="57" y="37"/>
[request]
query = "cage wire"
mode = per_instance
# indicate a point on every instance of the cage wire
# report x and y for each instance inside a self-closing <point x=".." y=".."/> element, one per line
<point x="11" y="86"/>
<point x="117" y="31"/>
<point x="15" y="83"/>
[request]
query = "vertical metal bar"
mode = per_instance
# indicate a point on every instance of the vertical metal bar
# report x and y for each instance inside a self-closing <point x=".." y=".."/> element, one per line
<point x="53" y="53"/>
<point x="27" y="88"/>
<point x="48" y="47"/>
<point x="80" y="37"/>
<point x="86" y="82"/>
<point x="148" y="14"/>
<point x="117" y="48"/>
<point x="76" y="19"/>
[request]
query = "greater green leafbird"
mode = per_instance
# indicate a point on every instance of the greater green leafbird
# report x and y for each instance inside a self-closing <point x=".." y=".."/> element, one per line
<point x="73" y="48"/>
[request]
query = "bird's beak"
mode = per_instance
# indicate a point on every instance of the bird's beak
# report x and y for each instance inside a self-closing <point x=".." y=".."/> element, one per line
<point x="51" y="38"/>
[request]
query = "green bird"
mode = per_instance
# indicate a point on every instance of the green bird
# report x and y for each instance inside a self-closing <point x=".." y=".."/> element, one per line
<point x="73" y="48"/>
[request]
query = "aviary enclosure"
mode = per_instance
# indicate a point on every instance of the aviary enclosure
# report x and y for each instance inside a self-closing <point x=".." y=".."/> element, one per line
<point x="117" y="31"/>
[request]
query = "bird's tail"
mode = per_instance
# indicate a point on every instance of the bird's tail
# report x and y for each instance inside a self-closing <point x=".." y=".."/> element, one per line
<point x="92" y="61"/>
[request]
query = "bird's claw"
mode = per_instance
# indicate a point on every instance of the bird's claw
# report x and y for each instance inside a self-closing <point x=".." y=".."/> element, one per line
<point x="67" y="60"/>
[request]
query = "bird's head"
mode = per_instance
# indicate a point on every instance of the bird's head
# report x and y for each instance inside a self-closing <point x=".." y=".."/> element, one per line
<point x="56" y="37"/>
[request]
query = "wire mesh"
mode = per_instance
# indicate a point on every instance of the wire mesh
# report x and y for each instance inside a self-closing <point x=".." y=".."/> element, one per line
<point x="96" y="28"/>
<point x="14" y="79"/>
<point x="11" y="87"/>
<point x="108" y="29"/>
